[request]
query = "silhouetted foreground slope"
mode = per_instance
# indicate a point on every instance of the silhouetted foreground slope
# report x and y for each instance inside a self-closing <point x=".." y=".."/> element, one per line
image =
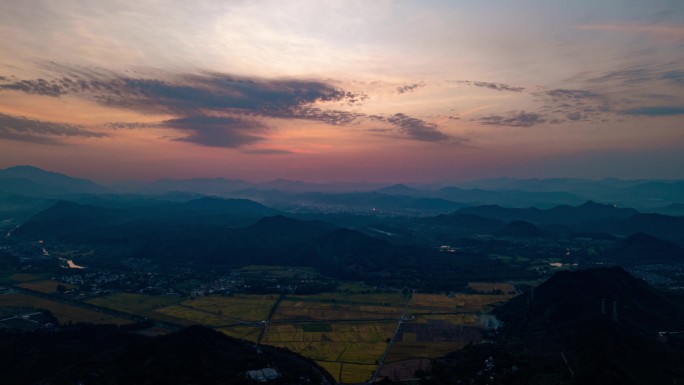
<point x="568" y="332"/>
<point x="105" y="355"/>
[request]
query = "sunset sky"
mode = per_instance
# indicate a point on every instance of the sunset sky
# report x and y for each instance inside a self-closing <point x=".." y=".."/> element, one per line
<point x="387" y="91"/>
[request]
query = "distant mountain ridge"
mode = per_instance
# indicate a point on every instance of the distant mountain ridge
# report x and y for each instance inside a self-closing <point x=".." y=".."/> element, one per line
<point x="588" y="211"/>
<point x="654" y="195"/>
<point x="33" y="181"/>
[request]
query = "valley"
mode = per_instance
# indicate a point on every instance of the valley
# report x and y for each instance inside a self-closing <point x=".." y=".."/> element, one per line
<point x="385" y="295"/>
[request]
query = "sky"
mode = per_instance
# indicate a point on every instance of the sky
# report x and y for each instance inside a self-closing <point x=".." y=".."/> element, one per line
<point x="383" y="91"/>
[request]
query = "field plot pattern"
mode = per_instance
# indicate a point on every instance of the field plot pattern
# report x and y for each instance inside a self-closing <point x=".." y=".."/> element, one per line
<point x="354" y="334"/>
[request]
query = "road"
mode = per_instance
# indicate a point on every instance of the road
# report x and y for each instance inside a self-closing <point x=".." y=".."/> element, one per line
<point x="268" y="320"/>
<point x="404" y="317"/>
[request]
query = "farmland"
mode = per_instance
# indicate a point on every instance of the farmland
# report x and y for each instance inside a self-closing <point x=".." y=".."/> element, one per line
<point x="458" y="303"/>
<point x="140" y="304"/>
<point x="45" y="285"/>
<point x="64" y="313"/>
<point x="346" y="331"/>
<point x="239" y="308"/>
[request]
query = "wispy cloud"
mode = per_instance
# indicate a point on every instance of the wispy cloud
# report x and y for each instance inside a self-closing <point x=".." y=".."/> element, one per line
<point x="131" y="125"/>
<point x="40" y="131"/>
<point x="636" y="75"/>
<point x="655" y="111"/>
<point x="557" y="106"/>
<point x="513" y="119"/>
<point x="563" y="105"/>
<point x="332" y="117"/>
<point x="409" y="87"/>
<point x="37" y="87"/>
<point x="491" y="86"/>
<point x="416" y="128"/>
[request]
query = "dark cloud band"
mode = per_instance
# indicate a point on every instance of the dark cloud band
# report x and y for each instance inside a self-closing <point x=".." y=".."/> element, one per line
<point x="39" y="131"/>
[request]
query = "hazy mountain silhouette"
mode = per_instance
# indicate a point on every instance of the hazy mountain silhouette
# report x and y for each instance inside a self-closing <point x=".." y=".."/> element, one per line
<point x="588" y="211"/>
<point x="644" y="248"/>
<point x="33" y="181"/>
<point x="520" y="229"/>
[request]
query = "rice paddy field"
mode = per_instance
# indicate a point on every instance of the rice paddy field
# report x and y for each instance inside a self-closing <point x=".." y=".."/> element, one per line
<point x="298" y="310"/>
<point x="458" y="303"/>
<point x="140" y="304"/>
<point x="47" y="286"/>
<point x="346" y="332"/>
<point x="240" y="308"/>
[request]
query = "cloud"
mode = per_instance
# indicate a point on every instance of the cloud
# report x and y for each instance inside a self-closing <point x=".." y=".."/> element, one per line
<point x="38" y="87"/>
<point x="217" y="131"/>
<point x="409" y="87"/>
<point x="571" y="94"/>
<point x="655" y="111"/>
<point x="39" y="131"/>
<point x="197" y="100"/>
<point x="131" y="125"/>
<point x="514" y="119"/>
<point x="491" y="86"/>
<point x="332" y="117"/>
<point x="416" y="128"/>
<point x="570" y="105"/>
<point x="641" y="74"/>
<point x="674" y="77"/>
<point x="188" y="92"/>
<point x="192" y="93"/>
<point x="220" y="110"/>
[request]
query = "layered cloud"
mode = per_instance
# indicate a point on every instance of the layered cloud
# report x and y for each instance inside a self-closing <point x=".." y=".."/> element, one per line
<point x="217" y="131"/>
<point x="212" y="109"/>
<point x="218" y="110"/>
<point x="39" y="131"/>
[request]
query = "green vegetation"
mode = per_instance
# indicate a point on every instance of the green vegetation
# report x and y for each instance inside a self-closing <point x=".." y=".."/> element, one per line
<point x="240" y="308"/>
<point x="141" y="304"/>
<point x="308" y="328"/>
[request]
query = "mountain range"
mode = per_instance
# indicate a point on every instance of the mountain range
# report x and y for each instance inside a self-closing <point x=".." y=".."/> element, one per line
<point x="657" y="196"/>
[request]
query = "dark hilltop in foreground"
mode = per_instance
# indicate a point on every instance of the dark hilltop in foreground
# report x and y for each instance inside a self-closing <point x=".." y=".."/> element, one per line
<point x="89" y="354"/>
<point x="599" y="326"/>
